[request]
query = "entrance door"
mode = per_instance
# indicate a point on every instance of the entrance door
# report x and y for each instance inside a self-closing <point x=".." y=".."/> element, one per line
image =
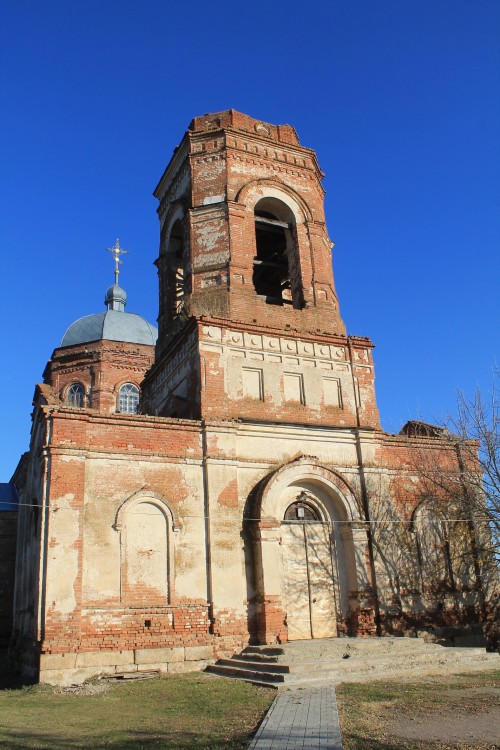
<point x="308" y="584"/>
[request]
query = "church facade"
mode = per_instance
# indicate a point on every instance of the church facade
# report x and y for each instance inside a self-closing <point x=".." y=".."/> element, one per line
<point x="226" y="480"/>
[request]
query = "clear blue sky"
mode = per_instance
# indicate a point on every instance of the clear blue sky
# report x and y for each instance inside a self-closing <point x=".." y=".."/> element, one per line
<point x="399" y="99"/>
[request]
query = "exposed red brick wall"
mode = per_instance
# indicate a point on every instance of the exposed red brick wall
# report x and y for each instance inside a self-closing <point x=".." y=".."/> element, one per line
<point x="102" y="367"/>
<point x="132" y="434"/>
<point x="125" y="629"/>
<point x="271" y="621"/>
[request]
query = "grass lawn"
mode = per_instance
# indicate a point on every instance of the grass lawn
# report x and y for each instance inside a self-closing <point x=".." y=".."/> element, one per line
<point x="456" y="712"/>
<point x="193" y="711"/>
<point x="202" y="712"/>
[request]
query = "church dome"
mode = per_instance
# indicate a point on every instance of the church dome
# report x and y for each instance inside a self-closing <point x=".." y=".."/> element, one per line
<point x="113" y="325"/>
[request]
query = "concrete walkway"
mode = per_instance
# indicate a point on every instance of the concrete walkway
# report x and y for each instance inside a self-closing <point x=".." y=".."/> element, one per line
<point x="301" y="720"/>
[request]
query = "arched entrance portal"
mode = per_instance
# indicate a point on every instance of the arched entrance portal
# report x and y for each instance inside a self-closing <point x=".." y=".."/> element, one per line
<point x="309" y="580"/>
<point x="310" y="553"/>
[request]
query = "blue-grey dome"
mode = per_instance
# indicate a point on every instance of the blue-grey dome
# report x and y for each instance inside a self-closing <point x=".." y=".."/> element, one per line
<point x="112" y="325"/>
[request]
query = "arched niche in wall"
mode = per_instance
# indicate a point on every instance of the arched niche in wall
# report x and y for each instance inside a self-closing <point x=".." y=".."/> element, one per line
<point x="146" y="525"/>
<point x="432" y="547"/>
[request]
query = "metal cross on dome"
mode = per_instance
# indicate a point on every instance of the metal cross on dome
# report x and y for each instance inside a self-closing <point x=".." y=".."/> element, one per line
<point x="116" y="252"/>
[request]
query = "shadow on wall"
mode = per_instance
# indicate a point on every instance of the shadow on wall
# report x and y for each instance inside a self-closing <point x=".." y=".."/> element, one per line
<point x="429" y="574"/>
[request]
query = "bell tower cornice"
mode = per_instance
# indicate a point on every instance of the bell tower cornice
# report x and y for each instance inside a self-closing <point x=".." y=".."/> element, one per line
<point x="237" y="132"/>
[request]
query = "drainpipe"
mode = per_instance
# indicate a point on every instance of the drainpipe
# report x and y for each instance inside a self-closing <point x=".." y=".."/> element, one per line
<point x="364" y="491"/>
<point x="44" y="535"/>
<point x="206" y="511"/>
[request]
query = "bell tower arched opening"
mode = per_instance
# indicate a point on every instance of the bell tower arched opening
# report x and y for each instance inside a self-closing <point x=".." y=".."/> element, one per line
<point x="179" y="276"/>
<point x="276" y="266"/>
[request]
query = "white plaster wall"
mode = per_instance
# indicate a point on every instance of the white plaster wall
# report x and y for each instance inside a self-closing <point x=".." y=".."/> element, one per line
<point x="227" y="553"/>
<point x="62" y="555"/>
<point x="190" y="573"/>
<point x="280" y="444"/>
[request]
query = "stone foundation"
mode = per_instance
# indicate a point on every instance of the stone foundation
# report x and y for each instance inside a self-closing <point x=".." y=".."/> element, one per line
<point x="75" y="668"/>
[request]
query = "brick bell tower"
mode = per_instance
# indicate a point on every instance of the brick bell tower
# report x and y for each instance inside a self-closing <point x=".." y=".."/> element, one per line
<point x="249" y="320"/>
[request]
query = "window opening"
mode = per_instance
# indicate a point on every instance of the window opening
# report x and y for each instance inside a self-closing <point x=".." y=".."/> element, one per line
<point x="301" y="511"/>
<point x="75" y="396"/>
<point x="180" y="277"/>
<point x="129" y="399"/>
<point x="271" y="273"/>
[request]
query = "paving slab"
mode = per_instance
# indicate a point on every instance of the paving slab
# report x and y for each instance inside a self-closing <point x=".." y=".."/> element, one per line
<point x="304" y="719"/>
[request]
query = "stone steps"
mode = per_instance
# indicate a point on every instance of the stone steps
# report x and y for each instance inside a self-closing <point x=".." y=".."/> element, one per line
<point x="336" y="647"/>
<point x="349" y="660"/>
<point x="238" y="662"/>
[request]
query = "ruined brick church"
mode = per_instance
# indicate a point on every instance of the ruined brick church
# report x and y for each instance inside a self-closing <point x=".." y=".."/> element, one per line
<point x="224" y="480"/>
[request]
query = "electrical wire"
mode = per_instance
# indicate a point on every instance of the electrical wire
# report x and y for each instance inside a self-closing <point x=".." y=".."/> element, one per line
<point x="249" y="518"/>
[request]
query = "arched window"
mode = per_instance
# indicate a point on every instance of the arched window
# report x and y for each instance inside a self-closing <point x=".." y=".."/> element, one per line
<point x="128" y="401"/>
<point x="302" y="510"/>
<point x="179" y="281"/>
<point x="276" y="268"/>
<point x="75" y="396"/>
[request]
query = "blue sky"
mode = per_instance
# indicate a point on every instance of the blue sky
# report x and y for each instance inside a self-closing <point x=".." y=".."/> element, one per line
<point x="399" y="99"/>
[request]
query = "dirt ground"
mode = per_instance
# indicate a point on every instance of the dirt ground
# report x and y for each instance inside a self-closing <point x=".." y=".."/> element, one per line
<point x="476" y="721"/>
<point x="461" y="712"/>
